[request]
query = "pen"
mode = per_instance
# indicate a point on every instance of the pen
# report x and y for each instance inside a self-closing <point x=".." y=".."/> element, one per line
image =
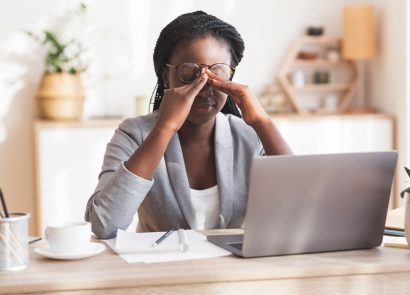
<point x="33" y="239"/>
<point x="157" y="242"/>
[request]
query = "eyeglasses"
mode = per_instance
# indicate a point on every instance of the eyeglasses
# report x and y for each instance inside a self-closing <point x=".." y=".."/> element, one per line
<point x="188" y="71"/>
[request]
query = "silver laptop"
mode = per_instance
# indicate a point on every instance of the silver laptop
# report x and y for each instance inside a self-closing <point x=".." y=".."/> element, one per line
<point x="314" y="203"/>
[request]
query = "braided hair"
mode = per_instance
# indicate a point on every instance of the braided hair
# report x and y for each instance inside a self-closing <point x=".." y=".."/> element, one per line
<point x="187" y="27"/>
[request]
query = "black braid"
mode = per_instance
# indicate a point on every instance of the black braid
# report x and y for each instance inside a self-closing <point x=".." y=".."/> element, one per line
<point x="187" y="27"/>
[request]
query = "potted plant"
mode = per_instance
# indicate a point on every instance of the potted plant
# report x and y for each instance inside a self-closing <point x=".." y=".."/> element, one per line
<point x="407" y="209"/>
<point x="60" y="95"/>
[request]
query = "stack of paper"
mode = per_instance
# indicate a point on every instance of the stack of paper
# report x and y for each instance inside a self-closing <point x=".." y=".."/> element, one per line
<point x="397" y="242"/>
<point x="198" y="247"/>
<point x="395" y="229"/>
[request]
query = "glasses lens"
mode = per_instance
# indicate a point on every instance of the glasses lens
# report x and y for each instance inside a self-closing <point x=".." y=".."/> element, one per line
<point x="223" y="71"/>
<point x="188" y="72"/>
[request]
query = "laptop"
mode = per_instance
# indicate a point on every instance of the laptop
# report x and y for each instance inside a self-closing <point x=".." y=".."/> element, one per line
<point x="314" y="203"/>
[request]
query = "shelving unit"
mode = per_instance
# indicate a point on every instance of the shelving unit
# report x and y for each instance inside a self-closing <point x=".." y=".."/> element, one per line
<point x="344" y="90"/>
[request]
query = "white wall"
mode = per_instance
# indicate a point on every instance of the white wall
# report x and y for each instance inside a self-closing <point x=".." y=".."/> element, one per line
<point x="268" y="28"/>
<point x="388" y="75"/>
<point x="130" y="28"/>
<point x="20" y="70"/>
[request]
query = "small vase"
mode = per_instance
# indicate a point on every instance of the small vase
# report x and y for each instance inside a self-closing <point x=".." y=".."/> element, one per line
<point x="407" y="218"/>
<point x="60" y="96"/>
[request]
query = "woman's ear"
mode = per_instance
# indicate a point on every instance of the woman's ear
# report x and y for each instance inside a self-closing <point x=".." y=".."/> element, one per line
<point x="164" y="76"/>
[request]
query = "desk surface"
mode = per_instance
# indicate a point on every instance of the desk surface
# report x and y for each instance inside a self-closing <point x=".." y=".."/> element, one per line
<point x="348" y="272"/>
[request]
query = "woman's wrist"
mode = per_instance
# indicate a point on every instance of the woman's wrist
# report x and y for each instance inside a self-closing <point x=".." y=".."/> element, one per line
<point x="272" y="141"/>
<point x="262" y="122"/>
<point x="163" y="130"/>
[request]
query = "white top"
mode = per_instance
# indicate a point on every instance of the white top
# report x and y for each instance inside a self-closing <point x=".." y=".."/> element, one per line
<point x="206" y="207"/>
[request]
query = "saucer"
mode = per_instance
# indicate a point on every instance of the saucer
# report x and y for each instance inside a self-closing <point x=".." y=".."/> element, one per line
<point x="94" y="249"/>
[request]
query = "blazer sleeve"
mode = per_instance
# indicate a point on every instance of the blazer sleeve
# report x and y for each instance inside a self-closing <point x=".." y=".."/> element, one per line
<point x="119" y="192"/>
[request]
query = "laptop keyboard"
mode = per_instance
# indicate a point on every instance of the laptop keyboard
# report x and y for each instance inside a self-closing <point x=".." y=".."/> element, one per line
<point x="236" y="245"/>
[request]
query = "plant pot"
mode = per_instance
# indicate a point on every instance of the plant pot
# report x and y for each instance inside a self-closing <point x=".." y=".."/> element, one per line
<point x="60" y="96"/>
<point x="407" y="218"/>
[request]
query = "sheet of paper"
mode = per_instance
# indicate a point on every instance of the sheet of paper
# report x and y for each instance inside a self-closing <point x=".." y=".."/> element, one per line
<point x="144" y="241"/>
<point x="199" y="247"/>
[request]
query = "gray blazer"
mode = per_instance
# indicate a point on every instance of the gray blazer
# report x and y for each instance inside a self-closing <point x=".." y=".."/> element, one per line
<point x="165" y="201"/>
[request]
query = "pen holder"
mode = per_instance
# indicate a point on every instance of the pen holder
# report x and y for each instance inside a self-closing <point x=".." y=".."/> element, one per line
<point x="14" y="253"/>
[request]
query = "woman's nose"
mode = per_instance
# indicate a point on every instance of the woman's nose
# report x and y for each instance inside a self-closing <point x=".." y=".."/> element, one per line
<point x="206" y="91"/>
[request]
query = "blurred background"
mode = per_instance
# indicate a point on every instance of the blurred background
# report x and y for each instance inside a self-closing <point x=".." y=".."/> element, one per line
<point x="326" y="90"/>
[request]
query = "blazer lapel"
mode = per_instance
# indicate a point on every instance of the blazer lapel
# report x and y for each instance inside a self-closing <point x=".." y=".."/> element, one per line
<point x="224" y="168"/>
<point x="174" y="160"/>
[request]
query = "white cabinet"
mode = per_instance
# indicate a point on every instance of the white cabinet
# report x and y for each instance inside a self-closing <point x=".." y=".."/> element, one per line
<point x="338" y="133"/>
<point x="69" y="155"/>
<point x="68" y="159"/>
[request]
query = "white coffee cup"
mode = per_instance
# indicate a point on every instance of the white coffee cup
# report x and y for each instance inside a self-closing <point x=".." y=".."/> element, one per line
<point x="71" y="237"/>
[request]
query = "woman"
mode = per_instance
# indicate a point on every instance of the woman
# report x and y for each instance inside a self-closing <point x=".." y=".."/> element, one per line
<point x="186" y="164"/>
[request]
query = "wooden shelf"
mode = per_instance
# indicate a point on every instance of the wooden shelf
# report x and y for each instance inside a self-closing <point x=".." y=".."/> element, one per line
<point x="322" y="87"/>
<point x="318" y="63"/>
<point x="325" y="40"/>
<point x="344" y="89"/>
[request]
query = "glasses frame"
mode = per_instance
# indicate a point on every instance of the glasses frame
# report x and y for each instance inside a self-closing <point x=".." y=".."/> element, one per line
<point x="201" y="66"/>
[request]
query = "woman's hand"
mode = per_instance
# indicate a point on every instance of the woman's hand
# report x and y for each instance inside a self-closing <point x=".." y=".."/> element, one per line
<point x="253" y="114"/>
<point x="252" y="111"/>
<point x="177" y="102"/>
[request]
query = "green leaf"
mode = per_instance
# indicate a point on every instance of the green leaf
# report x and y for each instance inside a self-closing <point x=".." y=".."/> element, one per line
<point x="83" y="8"/>
<point x="57" y="60"/>
<point x="51" y="38"/>
<point x="407" y="190"/>
<point x="407" y="170"/>
<point x="32" y="35"/>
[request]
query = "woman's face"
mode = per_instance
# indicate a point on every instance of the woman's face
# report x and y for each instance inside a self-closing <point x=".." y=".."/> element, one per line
<point x="208" y="51"/>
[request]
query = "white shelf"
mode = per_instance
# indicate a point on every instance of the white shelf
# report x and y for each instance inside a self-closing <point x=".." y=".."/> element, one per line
<point x="322" y="87"/>
<point x="320" y="63"/>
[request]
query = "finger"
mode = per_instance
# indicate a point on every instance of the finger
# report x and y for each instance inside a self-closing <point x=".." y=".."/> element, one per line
<point x="198" y="84"/>
<point x="212" y="75"/>
<point x="220" y="86"/>
<point x="223" y="84"/>
<point x="227" y="87"/>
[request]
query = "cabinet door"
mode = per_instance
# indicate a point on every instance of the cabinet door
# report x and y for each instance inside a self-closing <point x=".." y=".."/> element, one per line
<point x="337" y="135"/>
<point x="68" y="161"/>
